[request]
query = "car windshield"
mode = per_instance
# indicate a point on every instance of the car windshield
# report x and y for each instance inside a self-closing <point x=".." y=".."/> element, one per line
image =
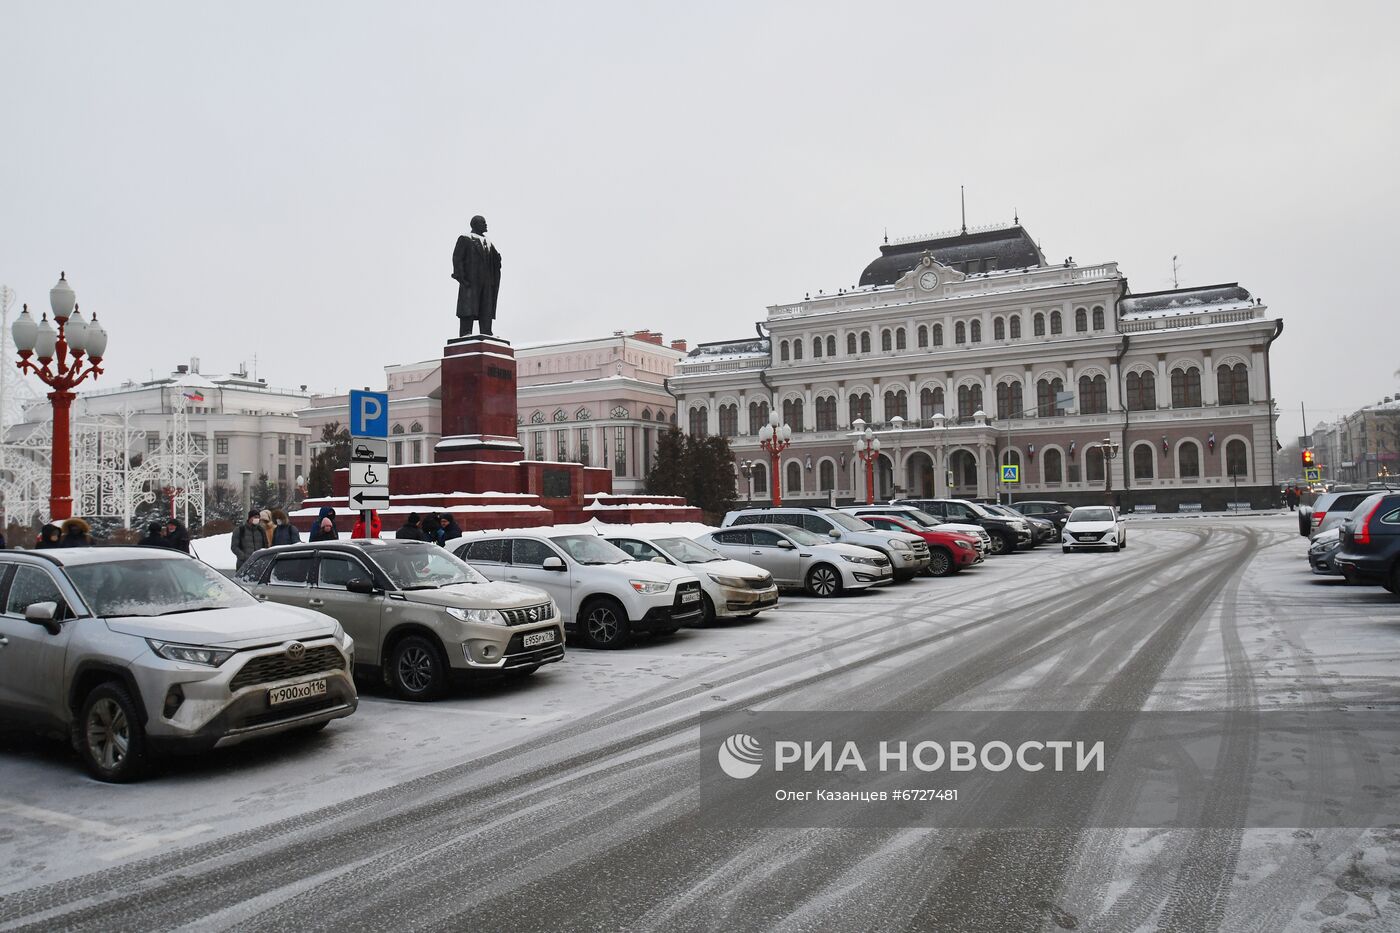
<point x="803" y="536"/>
<point x="978" y="509"/>
<point x="848" y="522"/>
<point x="1099" y="514"/>
<point x="424" y="567"/>
<point x="687" y="551"/>
<point x="154" y="587"/>
<point x="590" y="549"/>
<point x="922" y="517"/>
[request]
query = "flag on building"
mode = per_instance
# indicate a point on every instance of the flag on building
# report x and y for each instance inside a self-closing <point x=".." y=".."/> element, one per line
<point x="194" y="395"/>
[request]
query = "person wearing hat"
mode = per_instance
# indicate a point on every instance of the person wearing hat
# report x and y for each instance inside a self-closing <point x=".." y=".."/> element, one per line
<point x="247" y="538"/>
<point x="412" y="529"/>
<point x="154" y="537"/>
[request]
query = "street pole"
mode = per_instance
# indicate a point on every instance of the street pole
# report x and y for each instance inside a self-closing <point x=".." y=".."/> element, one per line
<point x="775" y="437"/>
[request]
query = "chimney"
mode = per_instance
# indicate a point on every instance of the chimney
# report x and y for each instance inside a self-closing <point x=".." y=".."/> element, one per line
<point x="678" y="345"/>
<point x="646" y="336"/>
<point x="182" y="369"/>
<point x="194" y="364"/>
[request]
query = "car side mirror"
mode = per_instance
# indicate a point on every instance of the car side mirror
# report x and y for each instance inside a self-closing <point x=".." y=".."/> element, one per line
<point x="553" y="563"/>
<point x="834" y="533"/>
<point x="786" y="545"/>
<point x="660" y="560"/>
<point x="45" y="614"/>
<point x="361" y="586"/>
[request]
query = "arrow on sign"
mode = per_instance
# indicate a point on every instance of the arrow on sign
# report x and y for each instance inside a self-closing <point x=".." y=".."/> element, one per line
<point x="366" y="500"/>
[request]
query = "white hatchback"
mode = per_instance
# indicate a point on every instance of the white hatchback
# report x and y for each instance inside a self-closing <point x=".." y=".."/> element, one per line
<point x="1094" y="526"/>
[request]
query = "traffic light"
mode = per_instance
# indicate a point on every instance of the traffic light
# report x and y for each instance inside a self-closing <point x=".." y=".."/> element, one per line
<point x="1307" y="457"/>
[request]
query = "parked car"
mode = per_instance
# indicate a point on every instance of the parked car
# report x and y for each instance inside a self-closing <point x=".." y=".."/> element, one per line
<point x="1371" y="542"/>
<point x="1094" y="526"/>
<point x="1007" y="533"/>
<point x="948" y="551"/>
<point x="730" y="588"/>
<point x="1057" y="512"/>
<point x="1332" y="507"/>
<point x="919" y="517"/>
<point x="604" y="596"/>
<point x="420" y="616"/>
<point x="1042" y="529"/>
<point x="797" y="558"/>
<point x="1322" y="553"/>
<point x="136" y="652"/>
<point x="907" y="554"/>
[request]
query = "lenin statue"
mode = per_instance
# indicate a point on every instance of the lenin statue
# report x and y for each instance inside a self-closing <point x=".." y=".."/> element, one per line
<point x="477" y="268"/>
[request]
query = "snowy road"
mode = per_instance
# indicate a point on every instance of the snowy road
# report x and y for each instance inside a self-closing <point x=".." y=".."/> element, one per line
<point x="570" y="802"/>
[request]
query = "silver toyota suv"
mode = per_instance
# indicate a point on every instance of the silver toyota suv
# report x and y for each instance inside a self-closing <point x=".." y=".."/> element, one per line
<point x="907" y="554"/>
<point x="134" y="652"/>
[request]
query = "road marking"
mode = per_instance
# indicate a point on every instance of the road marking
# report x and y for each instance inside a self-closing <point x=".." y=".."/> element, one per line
<point x="134" y="842"/>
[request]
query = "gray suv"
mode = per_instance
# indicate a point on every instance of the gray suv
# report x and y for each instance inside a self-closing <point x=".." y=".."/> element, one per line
<point x="133" y="652"/>
<point x="907" y="554"/>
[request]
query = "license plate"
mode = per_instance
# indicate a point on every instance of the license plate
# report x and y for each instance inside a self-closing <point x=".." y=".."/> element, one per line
<point x="690" y="596"/>
<point x="538" y="638"/>
<point x="294" y="692"/>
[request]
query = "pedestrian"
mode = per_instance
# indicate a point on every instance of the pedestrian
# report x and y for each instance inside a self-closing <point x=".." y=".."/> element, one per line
<point x="176" y="537"/>
<point x="447" y="529"/>
<point x="154" y="537"/>
<point x="283" y="531"/>
<point x="412" y="529"/>
<point x="1291" y="497"/>
<point x="374" y="526"/>
<point x="49" y="536"/>
<point x="265" y="519"/>
<point x="247" y="539"/>
<point x="324" y="529"/>
<point x="76" y="533"/>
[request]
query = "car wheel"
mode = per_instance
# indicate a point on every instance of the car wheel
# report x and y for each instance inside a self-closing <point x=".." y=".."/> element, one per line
<point x="1395" y="579"/>
<point x="707" y="611"/>
<point x="940" y="563"/>
<point x="416" y="669"/>
<point x="999" y="544"/>
<point x="110" y="738"/>
<point x="824" y="580"/>
<point x="603" y="624"/>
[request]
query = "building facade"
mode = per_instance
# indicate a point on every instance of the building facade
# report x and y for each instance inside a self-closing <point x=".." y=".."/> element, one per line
<point x="970" y="352"/>
<point x="1361" y="447"/>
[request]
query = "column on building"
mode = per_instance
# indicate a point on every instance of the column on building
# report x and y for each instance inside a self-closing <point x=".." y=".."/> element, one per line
<point x="1114" y="399"/>
<point x="940" y="471"/>
<point x="843" y="414"/>
<point x="984" y="465"/>
<point x="1164" y="384"/>
<point x="989" y="397"/>
<point x="744" y="426"/>
<point x="877" y="403"/>
<point x="1072" y="385"/>
<point x="712" y="416"/>
<point x="1210" y="394"/>
<point x="1029" y="399"/>
<point x="1258" y="385"/>
<point x="809" y="414"/>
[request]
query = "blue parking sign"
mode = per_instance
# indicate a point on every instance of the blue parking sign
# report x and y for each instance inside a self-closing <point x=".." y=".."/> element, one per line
<point x="369" y="414"/>
<point x="1010" y="473"/>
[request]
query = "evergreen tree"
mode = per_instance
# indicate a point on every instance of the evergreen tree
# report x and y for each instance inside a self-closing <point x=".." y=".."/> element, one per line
<point x="333" y="455"/>
<point x="265" y="494"/>
<point x="711" y="475"/>
<point x="669" y="471"/>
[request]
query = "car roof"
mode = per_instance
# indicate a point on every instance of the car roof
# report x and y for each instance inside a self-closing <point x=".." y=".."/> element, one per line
<point x="78" y="556"/>
<point x="366" y="545"/>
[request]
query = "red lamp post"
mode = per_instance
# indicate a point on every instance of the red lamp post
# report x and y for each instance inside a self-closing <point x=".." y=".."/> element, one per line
<point x="868" y="449"/>
<point x="61" y="366"/>
<point x="775" y="437"/>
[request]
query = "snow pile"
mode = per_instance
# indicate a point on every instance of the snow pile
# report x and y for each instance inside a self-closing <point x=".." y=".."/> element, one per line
<point x="595" y="527"/>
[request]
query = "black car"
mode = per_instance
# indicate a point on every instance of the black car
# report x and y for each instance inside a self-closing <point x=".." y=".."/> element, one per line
<point x="1057" y="512"/>
<point x="1042" y="529"/>
<point x="1371" y="542"/>
<point x="1322" y="553"/>
<point x="1007" y="534"/>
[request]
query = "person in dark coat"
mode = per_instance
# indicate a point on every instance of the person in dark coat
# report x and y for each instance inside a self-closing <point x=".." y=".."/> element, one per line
<point x="446" y="530"/>
<point x="154" y="537"/>
<point x="49" y="536"/>
<point x="76" y="533"/>
<point x="323" y="531"/>
<point x="246" y="539"/>
<point x="176" y="537"/>
<point x="283" y="531"/>
<point x="412" y="529"/>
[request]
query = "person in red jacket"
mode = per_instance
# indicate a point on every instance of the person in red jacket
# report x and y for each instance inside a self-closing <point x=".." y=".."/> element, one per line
<point x="374" y="525"/>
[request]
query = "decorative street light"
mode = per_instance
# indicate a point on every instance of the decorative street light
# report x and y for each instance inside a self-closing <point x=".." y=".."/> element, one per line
<point x="868" y="449"/>
<point x="775" y="437"/>
<point x="746" y="468"/>
<point x="1110" y="451"/>
<point x="61" y="373"/>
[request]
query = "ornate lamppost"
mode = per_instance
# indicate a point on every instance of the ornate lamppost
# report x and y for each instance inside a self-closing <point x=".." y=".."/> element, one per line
<point x="61" y="366"/>
<point x="775" y="437"/>
<point x="868" y="449"/>
<point x="746" y="470"/>
<point x="1110" y="452"/>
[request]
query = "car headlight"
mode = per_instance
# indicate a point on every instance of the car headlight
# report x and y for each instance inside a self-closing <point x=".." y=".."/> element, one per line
<point x="722" y="580"/>
<point x="191" y="654"/>
<point x="899" y="545"/>
<point x="339" y="632"/>
<point x="964" y="545"/>
<point x="483" y="616"/>
<point x="648" y="587"/>
<point x="872" y="561"/>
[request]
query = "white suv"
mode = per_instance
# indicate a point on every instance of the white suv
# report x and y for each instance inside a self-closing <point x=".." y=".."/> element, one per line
<point x="733" y="589"/>
<point x="603" y="594"/>
<point x="797" y="557"/>
<point x="907" y="554"/>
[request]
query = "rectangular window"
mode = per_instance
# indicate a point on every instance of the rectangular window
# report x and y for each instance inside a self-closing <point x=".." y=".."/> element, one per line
<point x="282" y="471"/>
<point x="281" y="446"/>
<point x="417" y="451"/>
<point x="221" y="471"/>
<point x="398" y="451"/>
<point x="620" y="459"/>
<point x="152" y="443"/>
<point x="583" y="447"/>
<point x="299" y="447"/>
<point x="221" y="445"/>
<point x="561" y="445"/>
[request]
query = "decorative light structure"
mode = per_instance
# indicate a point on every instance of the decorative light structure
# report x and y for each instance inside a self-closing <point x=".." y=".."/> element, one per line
<point x="775" y="437"/>
<point x="868" y="449"/>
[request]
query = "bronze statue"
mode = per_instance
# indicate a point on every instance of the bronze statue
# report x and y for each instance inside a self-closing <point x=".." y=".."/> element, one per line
<point x="476" y="265"/>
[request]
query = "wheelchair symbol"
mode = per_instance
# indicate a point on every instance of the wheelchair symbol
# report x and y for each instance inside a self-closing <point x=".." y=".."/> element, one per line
<point x="371" y="478"/>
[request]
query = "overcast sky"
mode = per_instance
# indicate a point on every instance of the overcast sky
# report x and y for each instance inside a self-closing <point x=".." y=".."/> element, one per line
<point x="287" y="180"/>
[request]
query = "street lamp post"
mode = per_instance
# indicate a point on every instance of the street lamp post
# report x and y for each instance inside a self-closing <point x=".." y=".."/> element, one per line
<point x="1110" y="452"/>
<point x="61" y="366"/>
<point x="746" y="468"/>
<point x="775" y="437"/>
<point x="868" y="449"/>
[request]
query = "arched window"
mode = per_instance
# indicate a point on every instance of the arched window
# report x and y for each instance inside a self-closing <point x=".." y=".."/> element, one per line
<point x="1081" y="320"/>
<point x="1142" y="391"/>
<point x="1056" y="324"/>
<point x="1052" y="466"/>
<point x="1009" y="402"/>
<point x="1144" y="461"/>
<point x="976" y="331"/>
<point x="797" y="349"/>
<point x="1038" y="327"/>
<point x="1186" y="388"/>
<point x="397" y="429"/>
<point x="1232" y="384"/>
<point x="930" y="403"/>
<point x="896" y="403"/>
<point x="792" y="480"/>
<point x="646" y="414"/>
<point x="886" y="343"/>
<point x="783" y="351"/>
<point x="831" y="345"/>
<point x="1188" y="460"/>
<point x="758" y="416"/>
<point x="900" y="341"/>
<point x="1093" y="395"/>
<point x="850" y="344"/>
<point x="816" y="347"/>
<point x="960" y="333"/>
<point x="969" y="402"/>
<point x="699" y="421"/>
<point x="865" y="342"/>
<point x="1046" y="391"/>
<point x="921" y="335"/>
<point x="1015" y="327"/>
<point x="1236" y="458"/>
<point x="938" y="335"/>
<point x="1093" y="464"/>
<point x="826" y="476"/>
<point x="792" y="413"/>
<point x="729" y="420"/>
<point x="858" y="405"/>
<point x="759" y="478"/>
<point x="826" y="413"/>
<point x="1098" y="317"/>
<point x="999" y="329"/>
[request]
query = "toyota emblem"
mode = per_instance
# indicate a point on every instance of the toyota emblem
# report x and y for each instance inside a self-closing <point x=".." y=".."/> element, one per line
<point x="296" y="651"/>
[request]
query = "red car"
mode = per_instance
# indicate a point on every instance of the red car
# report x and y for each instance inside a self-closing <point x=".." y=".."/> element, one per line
<point x="948" y="551"/>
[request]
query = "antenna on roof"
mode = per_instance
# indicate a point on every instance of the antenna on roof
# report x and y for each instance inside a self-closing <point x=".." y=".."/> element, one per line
<point x="962" y="196"/>
<point x="887" y="236"/>
<point x="1015" y="217"/>
<point x="1176" y="266"/>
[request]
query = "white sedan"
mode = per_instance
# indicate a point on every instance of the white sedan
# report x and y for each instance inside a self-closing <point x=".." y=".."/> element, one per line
<point x="1094" y="526"/>
<point x="732" y="588"/>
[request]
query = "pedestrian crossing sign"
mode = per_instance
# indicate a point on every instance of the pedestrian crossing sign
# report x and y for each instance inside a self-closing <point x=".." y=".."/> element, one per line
<point x="1010" y="473"/>
<point x="1312" y="474"/>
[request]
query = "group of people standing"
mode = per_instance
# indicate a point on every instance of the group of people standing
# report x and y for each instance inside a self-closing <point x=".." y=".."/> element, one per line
<point x="170" y="535"/>
<point x="269" y="528"/>
<point x="439" y="529"/>
<point x="74" y="532"/>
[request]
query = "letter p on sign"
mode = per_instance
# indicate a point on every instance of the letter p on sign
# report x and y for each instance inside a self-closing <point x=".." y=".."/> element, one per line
<point x="369" y="414"/>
